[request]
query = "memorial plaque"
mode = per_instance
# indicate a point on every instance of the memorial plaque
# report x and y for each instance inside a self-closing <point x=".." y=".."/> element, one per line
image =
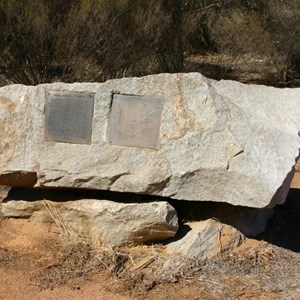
<point x="135" y="121"/>
<point x="69" y="117"/>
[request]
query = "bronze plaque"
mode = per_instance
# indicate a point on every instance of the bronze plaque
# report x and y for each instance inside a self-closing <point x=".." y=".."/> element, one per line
<point x="135" y="121"/>
<point x="69" y="117"/>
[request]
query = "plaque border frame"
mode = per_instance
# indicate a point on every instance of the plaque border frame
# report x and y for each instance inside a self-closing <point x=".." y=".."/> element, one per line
<point x="53" y="140"/>
<point x="152" y="146"/>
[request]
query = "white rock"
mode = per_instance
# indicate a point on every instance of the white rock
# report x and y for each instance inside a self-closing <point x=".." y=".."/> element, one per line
<point x="205" y="239"/>
<point x="3" y="192"/>
<point x="105" y="222"/>
<point x="219" y="141"/>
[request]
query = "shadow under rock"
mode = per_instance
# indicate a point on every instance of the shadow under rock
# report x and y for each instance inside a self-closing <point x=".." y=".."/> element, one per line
<point x="69" y="194"/>
<point x="183" y="230"/>
<point x="283" y="229"/>
<point x="279" y="226"/>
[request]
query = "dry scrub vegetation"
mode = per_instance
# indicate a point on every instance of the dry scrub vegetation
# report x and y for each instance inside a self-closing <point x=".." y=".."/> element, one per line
<point x="256" y="269"/>
<point x="48" y="263"/>
<point x="94" y="40"/>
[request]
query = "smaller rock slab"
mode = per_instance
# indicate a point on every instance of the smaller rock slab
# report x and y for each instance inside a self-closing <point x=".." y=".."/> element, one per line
<point x="250" y="221"/>
<point x="3" y="192"/>
<point x="104" y="221"/>
<point x="205" y="239"/>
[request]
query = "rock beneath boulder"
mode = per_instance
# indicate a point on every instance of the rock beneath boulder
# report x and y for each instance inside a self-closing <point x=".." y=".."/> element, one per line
<point x="3" y="192"/>
<point x="297" y="166"/>
<point x="218" y="141"/>
<point x="250" y="221"/>
<point x="105" y="222"/>
<point x="205" y="239"/>
<point x="296" y="179"/>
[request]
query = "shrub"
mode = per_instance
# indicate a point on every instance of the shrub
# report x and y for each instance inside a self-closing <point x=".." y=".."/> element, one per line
<point x="93" y="40"/>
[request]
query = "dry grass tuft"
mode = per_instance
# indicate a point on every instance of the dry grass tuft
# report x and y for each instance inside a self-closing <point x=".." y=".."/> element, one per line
<point x="66" y="232"/>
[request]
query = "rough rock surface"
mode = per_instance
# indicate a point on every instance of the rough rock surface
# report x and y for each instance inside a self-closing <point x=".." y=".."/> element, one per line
<point x="3" y="192"/>
<point x="103" y="221"/>
<point x="297" y="167"/>
<point x="205" y="239"/>
<point x="219" y="141"/>
<point x="250" y="221"/>
<point x="296" y="180"/>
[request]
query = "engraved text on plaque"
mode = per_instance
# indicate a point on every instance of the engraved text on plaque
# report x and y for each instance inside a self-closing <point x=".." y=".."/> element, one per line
<point x="69" y="117"/>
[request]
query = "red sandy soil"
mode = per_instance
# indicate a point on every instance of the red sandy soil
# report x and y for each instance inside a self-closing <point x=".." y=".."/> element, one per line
<point x="27" y="247"/>
<point x="36" y="263"/>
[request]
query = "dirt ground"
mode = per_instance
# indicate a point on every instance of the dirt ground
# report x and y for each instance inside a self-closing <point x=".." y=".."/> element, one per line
<point x="36" y="262"/>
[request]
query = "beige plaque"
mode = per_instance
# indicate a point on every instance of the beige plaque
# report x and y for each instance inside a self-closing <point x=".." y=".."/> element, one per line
<point x="135" y="121"/>
<point x="69" y="117"/>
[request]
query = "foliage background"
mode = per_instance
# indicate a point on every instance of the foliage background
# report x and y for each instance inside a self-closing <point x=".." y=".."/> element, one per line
<point x="255" y="41"/>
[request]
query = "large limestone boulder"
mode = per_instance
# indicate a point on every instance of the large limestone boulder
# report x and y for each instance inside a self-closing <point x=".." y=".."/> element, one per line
<point x="103" y="221"/>
<point x="218" y="141"/>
